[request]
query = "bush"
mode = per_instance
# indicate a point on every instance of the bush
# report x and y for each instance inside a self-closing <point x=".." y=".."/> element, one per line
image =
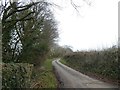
<point x="16" y="75"/>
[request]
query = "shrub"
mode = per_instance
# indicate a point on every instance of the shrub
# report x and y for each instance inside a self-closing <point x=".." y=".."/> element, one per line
<point x="16" y="75"/>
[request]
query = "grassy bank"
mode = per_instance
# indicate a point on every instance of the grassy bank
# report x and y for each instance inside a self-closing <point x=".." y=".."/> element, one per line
<point x="63" y="62"/>
<point x="24" y="75"/>
<point x="44" y="77"/>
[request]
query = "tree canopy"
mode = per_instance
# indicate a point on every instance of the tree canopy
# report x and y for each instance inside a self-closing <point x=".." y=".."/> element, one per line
<point x="28" y="31"/>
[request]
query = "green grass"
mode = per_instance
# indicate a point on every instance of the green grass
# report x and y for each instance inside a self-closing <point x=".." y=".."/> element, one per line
<point x="45" y="77"/>
<point x="63" y="61"/>
<point x="74" y="66"/>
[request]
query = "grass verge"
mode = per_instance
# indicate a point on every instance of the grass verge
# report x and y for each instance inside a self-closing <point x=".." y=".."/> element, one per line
<point x="63" y="61"/>
<point x="44" y="76"/>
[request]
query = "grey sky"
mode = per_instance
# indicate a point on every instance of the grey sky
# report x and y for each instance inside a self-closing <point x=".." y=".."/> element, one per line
<point x="95" y="26"/>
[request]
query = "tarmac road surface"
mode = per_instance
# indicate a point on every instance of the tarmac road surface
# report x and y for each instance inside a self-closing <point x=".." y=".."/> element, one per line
<point x="70" y="78"/>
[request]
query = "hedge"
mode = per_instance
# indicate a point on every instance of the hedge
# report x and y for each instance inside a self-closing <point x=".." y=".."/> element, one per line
<point x="16" y="75"/>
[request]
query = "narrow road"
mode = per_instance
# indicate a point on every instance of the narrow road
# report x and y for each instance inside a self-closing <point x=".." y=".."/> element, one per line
<point x="70" y="78"/>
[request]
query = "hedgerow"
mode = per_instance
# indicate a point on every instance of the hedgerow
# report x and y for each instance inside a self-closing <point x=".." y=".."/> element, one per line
<point x="16" y="75"/>
<point x="104" y="62"/>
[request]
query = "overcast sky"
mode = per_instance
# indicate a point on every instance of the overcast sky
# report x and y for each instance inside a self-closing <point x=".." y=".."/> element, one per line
<point x="94" y="27"/>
